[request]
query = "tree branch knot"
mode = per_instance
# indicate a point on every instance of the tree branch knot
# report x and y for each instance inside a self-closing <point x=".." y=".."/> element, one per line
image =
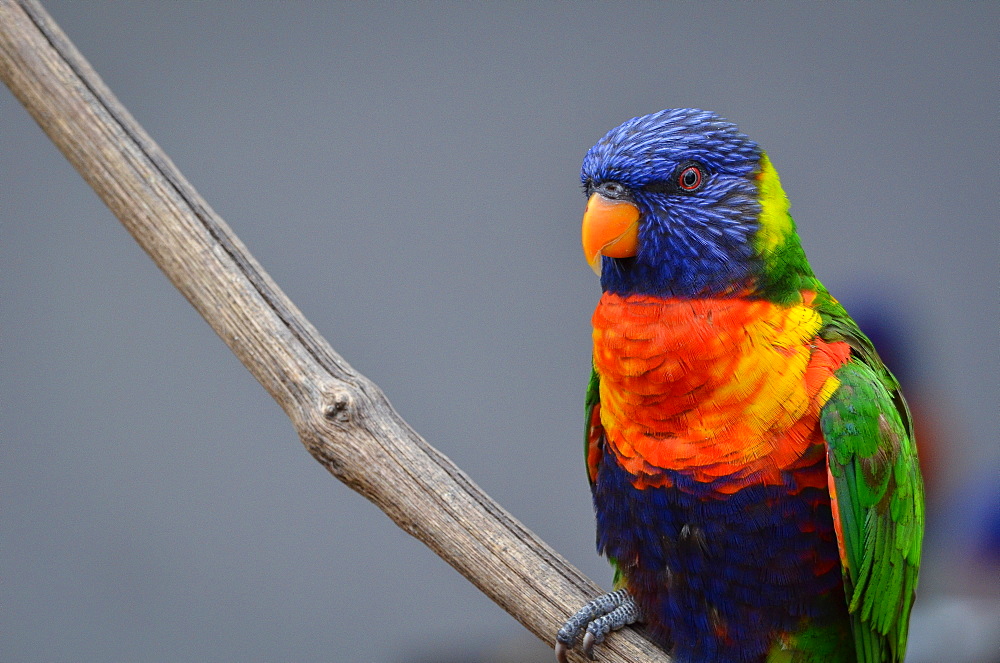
<point x="338" y="406"/>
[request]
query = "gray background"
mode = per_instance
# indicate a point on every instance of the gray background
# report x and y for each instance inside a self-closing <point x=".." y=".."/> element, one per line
<point x="408" y="175"/>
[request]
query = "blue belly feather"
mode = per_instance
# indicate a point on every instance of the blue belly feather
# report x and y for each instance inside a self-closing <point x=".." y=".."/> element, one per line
<point x="720" y="577"/>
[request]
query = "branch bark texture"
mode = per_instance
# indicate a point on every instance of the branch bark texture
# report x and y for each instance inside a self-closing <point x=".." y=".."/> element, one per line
<point x="342" y="418"/>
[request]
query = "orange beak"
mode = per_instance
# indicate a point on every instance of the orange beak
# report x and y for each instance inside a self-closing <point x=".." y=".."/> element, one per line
<point x="610" y="228"/>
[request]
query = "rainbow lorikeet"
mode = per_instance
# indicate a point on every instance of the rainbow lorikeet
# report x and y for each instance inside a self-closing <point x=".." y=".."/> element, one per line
<point x="751" y="459"/>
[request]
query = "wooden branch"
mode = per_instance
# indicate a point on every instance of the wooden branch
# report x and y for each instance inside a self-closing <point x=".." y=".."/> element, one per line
<point x="342" y="418"/>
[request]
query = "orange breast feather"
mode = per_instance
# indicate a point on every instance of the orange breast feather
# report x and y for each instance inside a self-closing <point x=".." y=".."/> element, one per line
<point x="725" y="390"/>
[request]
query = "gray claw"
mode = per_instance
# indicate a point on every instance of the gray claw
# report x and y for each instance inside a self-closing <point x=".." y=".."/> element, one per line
<point x="595" y="620"/>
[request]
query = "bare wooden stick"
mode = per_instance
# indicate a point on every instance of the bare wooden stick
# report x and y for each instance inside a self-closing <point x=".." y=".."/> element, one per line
<point x="342" y="418"/>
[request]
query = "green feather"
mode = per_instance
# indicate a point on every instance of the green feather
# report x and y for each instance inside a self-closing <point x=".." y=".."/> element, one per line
<point x="873" y="461"/>
<point x="592" y="400"/>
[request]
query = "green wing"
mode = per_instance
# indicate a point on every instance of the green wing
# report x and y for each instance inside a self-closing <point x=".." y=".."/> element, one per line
<point x="593" y="448"/>
<point x="593" y="436"/>
<point x="877" y="496"/>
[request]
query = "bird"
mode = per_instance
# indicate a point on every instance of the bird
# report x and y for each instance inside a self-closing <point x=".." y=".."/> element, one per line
<point x="752" y="463"/>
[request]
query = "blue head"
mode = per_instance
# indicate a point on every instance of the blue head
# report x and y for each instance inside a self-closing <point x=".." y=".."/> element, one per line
<point x="694" y="179"/>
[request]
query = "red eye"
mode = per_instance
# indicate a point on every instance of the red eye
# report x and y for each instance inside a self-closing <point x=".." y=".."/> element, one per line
<point x="690" y="178"/>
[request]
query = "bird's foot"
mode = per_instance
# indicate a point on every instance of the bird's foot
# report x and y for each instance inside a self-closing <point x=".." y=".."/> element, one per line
<point x="595" y="620"/>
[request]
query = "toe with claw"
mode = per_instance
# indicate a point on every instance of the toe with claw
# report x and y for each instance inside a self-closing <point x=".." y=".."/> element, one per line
<point x="595" y="620"/>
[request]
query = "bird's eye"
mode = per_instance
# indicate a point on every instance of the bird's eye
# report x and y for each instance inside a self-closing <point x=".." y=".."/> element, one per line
<point x="690" y="178"/>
